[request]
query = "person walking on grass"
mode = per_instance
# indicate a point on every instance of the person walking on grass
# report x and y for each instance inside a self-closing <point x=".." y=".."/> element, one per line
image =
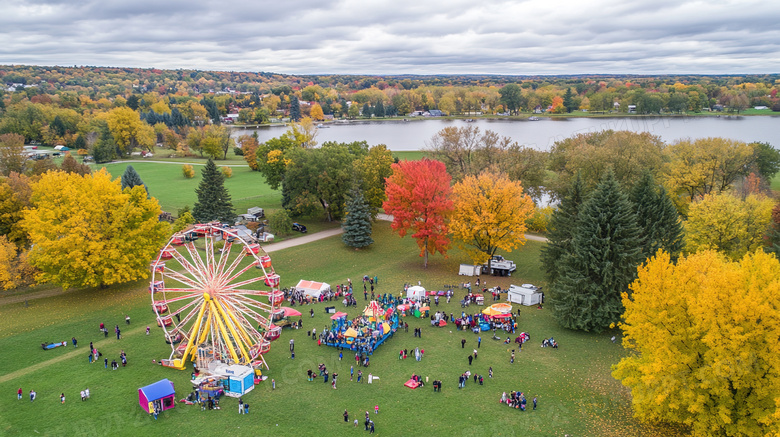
<point x="346" y="416"/>
<point x="470" y="358"/>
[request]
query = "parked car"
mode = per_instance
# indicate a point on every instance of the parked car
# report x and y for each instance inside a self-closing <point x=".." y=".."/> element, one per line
<point x="299" y="227"/>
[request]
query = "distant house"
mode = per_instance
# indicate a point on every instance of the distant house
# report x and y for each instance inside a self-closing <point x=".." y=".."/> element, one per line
<point x="717" y="107"/>
<point x="435" y="113"/>
<point x="616" y="106"/>
<point x="760" y="108"/>
<point x="632" y="109"/>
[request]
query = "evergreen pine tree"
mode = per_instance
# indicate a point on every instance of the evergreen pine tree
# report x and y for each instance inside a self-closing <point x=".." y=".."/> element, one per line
<point x="357" y="223"/>
<point x="379" y="109"/>
<point x="568" y="100"/>
<point x="657" y="218"/>
<point x="214" y="202"/>
<point x="295" y="109"/>
<point x="366" y="112"/>
<point x="130" y="178"/>
<point x="560" y="231"/>
<point x="602" y="262"/>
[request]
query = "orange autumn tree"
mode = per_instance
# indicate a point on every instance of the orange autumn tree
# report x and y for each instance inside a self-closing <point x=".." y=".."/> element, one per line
<point x="703" y="334"/>
<point x="418" y="198"/>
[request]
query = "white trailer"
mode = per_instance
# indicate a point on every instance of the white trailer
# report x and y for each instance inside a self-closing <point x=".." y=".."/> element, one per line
<point x="525" y="294"/>
<point x="470" y="270"/>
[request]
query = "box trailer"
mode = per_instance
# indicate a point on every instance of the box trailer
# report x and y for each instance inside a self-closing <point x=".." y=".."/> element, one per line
<point x="470" y="270"/>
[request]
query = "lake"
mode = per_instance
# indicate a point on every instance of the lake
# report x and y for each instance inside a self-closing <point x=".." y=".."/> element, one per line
<point x="542" y="134"/>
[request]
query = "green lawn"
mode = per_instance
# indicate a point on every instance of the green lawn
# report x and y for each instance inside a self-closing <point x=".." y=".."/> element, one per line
<point x="166" y="182"/>
<point x="577" y="396"/>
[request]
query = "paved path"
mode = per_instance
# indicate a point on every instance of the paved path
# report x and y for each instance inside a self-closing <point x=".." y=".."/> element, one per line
<point x="308" y="238"/>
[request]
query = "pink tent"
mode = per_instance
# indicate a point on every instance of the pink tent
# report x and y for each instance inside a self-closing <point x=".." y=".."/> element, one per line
<point x="338" y="315"/>
<point x="289" y="312"/>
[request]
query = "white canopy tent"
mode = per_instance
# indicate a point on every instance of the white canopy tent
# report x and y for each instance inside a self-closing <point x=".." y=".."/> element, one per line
<point x="415" y="292"/>
<point x="311" y="288"/>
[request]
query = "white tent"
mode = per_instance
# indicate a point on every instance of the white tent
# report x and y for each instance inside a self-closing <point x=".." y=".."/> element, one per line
<point x="415" y="292"/>
<point x="525" y="295"/>
<point x="311" y="288"/>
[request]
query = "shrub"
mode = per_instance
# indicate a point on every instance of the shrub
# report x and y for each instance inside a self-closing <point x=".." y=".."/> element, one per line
<point x="238" y="151"/>
<point x="227" y="172"/>
<point x="188" y="171"/>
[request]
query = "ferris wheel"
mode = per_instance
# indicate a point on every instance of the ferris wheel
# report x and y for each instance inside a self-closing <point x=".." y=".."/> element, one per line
<point x="214" y="293"/>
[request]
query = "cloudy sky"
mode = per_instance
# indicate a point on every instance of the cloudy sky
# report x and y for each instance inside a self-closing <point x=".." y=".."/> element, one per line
<point x="399" y="36"/>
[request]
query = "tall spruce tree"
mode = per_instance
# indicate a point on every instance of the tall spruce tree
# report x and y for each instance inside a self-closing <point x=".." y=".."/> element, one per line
<point x="602" y="261"/>
<point x="131" y="178"/>
<point x="214" y="203"/>
<point x="357" y="223"/>
<point x="560" y="231"/>
<point x="657" y="218"/>
<point x="295" y="109"/>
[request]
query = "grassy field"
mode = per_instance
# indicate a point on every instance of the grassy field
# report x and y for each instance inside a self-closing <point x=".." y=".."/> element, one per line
<point x="577" y="395"/>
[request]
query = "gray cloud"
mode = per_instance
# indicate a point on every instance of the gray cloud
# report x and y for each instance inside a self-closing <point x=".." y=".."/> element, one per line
<point x="402" y="36"/>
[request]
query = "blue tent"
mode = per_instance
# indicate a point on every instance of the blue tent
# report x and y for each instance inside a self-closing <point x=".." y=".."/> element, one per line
<point x="162" y="391"/>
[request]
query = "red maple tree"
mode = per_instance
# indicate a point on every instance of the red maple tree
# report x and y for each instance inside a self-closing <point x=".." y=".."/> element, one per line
<point x="418" y="198"/>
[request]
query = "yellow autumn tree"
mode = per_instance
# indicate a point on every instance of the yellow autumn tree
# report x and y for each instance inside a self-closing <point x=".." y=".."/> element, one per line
<point x="7" y="261"/>
<point x="316" y="112"/>
<point x="703" y="335"/>
<point x="490" y="214"/>
<point x="128" y="130"/>
<point x="86" y="232"/>
<point x="728" y="224"/>
<point x="373" y="169"/>
<point x="707" y="165"/>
